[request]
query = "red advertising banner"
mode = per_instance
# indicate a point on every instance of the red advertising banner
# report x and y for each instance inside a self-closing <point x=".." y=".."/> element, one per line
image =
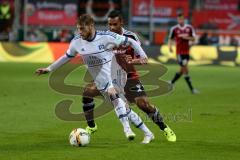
<point x="227" y="20"/>
<point x="11" y="2"/>
<point x="163" y="9"/>
<point x="225" y="37"/>
<point x="99" y="9"/>
<point x="228" y="5"/>
<point x="52" y="12"/>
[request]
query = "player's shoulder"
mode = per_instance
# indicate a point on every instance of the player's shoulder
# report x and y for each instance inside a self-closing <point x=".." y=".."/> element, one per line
<point x="106" y="33"/>
<point x="76" y="37"/>
<point x="189" y="26"/>
<point x="130" y="34"/>
<point x="174" y="27"/>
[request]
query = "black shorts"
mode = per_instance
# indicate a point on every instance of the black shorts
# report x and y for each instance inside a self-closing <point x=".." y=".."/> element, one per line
<point x="183" y="59"/>
<point x="133" y="89"/>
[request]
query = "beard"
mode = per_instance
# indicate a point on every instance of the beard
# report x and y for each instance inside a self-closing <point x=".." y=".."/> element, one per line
<point x="87" y="36"/>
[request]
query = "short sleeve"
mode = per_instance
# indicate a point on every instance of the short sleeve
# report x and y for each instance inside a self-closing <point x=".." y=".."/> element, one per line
<point x="193" y="33"/>
<point x="117" y="39"/>
<point x="71" y="52"/>
<point x="171" y="33"/>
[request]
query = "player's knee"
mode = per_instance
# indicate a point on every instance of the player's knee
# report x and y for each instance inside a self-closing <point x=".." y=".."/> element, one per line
<point x="87" y="100"/>
<point x="141" y="101"/>
<point x="183" y="70"/>
<point x="143" y="104"/>
<point x="90" y="91"/>
<point x="113" y="96"/>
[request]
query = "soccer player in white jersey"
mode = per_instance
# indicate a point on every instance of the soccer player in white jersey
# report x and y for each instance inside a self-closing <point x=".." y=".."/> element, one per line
<point x="96" y="50"/>
<point x="134" y="90"/>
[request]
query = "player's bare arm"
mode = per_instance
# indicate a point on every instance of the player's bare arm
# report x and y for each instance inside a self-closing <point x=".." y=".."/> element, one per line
<point x="58" y="63"/>
<point x="135" y="61"/>
<point x="170" y="43"/>
<point x="143" y="59"/>
<point x="190" y="38"/>
<point x="41" y="71"/>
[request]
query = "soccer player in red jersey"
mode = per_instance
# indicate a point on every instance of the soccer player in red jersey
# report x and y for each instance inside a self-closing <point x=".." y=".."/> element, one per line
<point x="182" y="33"/>
<point x="134" y="90"/>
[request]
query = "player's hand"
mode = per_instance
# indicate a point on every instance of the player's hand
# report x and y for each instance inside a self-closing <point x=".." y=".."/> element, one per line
<point x="40" y="71"/>
<point x="128" y="58"/>
<point x="185" y="37"/>
<point x="170" y="49"/>
<point x="181" y="36"/>
<point x="139" y="61"/>
<point x="143" y="60"/>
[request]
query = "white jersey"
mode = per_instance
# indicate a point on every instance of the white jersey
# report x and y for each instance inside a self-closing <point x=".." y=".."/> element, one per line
<point x="98" y="55"/>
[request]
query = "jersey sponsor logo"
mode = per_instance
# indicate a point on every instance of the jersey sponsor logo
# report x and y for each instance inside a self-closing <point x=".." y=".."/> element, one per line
<point x="183" y="34"/>
<point x="95" y="61"/>
<point x="120" y="39"/>
<point x="119" y="51"/>
<point x="137" y="88"/>
<point x="101" y="47"/>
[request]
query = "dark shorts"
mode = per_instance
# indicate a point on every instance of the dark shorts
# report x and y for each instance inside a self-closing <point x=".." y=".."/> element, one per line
<point x="183" y="59"/>
<point x="133" y="89"/>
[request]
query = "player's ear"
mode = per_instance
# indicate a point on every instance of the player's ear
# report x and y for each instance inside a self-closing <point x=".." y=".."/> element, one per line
<point x="121" y="21"/>
<point x="92" y="26"/>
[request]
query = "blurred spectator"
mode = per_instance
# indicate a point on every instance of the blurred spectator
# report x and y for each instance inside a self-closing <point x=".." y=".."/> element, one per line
<point x="233" y="41"/>
<point x="63" y="35"/>
<point x="41" y="36"/>
<point x="6" y="17"/>
<point x="36" y="36"/>
<point x="12" y="36"/>
<point x="214" y="39"/>
<point x="32" y="36"/>
<point x="204" y="40"/>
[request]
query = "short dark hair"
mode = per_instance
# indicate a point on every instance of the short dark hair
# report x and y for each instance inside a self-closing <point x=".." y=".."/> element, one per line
<point x="115" y="13"/>
<point x="180" y="15"/>
<point x="85" y="19"/>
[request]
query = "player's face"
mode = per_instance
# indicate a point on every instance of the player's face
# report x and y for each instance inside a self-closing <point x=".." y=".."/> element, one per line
<point x="181" y="20"/>
<point x="115" y="25"/>
<point x="85" y="31"/>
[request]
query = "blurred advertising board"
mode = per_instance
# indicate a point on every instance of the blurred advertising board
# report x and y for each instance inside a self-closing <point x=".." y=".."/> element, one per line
<point x="11" y="2"/>
<point x="161" y="37"/>
<point x="217" y="14"/>
<point x="228" y="5"/>
<point x="52" y="12"/>
<point x="203" y="55"/>
<point x="164" y="10"/>
<point x="99" y="9"/>
<point x="48" y="52"/>
<point x="227" y="20"/>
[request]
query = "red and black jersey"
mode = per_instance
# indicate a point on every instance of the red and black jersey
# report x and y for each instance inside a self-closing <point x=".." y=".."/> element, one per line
<point x="182" y="45"/>
<point x="122" y="50"/>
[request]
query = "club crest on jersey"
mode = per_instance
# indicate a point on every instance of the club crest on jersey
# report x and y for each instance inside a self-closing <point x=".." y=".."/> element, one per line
<point x="101" y="46"/>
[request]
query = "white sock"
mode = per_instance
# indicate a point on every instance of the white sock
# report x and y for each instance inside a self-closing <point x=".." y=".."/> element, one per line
<point x="137" y="121"/>
<point x="120" y="109"/>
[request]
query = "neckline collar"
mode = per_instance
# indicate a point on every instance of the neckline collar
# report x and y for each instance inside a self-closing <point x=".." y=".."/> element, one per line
<point x="181" y="27"/>
<point x="90" y="40"/>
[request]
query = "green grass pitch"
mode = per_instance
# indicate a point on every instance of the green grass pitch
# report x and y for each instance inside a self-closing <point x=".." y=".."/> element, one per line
<point x="29" y="128"/>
